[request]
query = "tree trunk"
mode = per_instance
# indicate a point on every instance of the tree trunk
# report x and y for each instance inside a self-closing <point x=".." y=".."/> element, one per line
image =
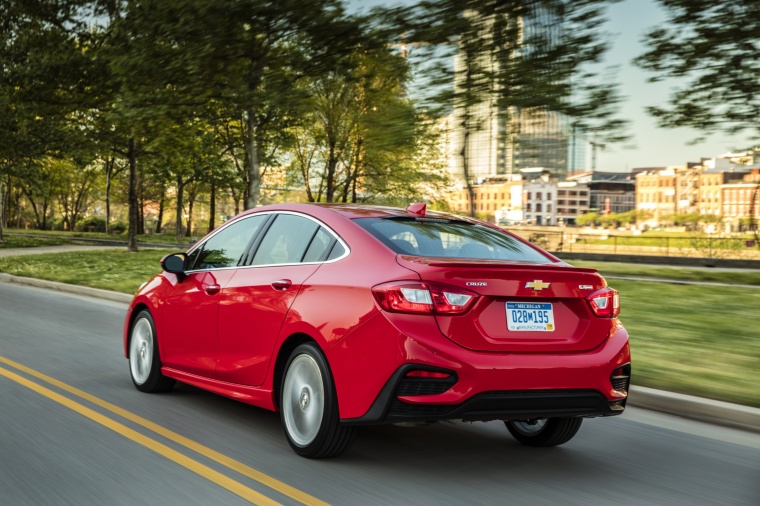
<point x="132" y="199"/>
<point x="160" y="218"/>
<point x="190" y="205"/>
<point x="254" y="175"/>
<point x="2" y="207"/>
<point x="141" y="202"/>
<point x="109" y="172"/>
<point x="178" y="221"/>
<point x="45" y="204"/>
<point x="332" y="163"/>
<point x="466" y="170"/>
<point x="212" y="207"/>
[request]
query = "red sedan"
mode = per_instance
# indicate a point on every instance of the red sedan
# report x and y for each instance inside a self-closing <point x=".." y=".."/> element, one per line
<point x="339" y="316"/>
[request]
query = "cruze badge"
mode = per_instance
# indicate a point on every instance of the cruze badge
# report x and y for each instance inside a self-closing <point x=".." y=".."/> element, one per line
<point x="537" y="285"/>
<point x="476" y="283"/>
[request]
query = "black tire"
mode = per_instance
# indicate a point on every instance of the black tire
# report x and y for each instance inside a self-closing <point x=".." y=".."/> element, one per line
<point x="144" y="356"/>
<point x="309" y="406"/>
<point x="544" y="432"/>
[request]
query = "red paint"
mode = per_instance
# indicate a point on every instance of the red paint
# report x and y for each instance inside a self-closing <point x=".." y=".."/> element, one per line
<point x="223" y="329"/>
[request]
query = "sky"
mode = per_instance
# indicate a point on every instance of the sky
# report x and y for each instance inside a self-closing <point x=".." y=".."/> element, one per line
<point x="649" y="145"/>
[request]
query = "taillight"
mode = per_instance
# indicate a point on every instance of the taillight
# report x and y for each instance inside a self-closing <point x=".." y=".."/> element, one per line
<point x="605" y="303"/>
<point x="423" y="298"/>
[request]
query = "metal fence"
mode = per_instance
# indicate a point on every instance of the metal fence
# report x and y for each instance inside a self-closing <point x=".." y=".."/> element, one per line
<point x="689" y="245"/>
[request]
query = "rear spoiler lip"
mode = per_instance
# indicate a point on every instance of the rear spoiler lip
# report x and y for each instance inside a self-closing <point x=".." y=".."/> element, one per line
<point x="498" y="264"/>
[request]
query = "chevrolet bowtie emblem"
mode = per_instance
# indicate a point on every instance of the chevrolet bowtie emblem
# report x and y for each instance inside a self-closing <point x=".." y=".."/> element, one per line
<point x="537" y="285"/>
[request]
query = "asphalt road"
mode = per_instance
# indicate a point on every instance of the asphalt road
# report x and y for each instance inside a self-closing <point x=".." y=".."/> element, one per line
<point x="73" y="430"/>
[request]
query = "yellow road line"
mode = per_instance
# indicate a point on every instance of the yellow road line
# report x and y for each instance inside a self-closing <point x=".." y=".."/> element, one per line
<point x="223" y="481"/>
<point x="220" y="458"/>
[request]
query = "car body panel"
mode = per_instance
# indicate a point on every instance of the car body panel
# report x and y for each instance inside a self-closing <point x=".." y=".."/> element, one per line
<point x="251" y="312"/>
<point x="498" y="283"/>
<point x="244" y="330"/>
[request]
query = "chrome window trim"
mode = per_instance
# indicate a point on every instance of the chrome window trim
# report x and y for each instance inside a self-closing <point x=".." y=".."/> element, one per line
<point x="346" y="249"/>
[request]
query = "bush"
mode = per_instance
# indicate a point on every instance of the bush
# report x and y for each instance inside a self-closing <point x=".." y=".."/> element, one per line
<point x="118" y="227"/>
<point x="91" y="224"/>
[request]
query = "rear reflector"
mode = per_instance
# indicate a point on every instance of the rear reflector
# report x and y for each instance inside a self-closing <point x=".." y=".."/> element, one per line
<point x="427" y="374"/>
<point x="423" y="298"/>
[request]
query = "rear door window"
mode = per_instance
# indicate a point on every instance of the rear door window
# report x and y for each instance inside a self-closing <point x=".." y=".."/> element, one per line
<point x="286" y="241"/>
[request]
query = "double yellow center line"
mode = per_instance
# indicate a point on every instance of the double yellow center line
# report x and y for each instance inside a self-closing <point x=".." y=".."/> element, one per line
<point x="210" y="474"/>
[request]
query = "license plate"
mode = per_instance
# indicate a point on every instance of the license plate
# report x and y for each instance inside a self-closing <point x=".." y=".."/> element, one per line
<point x="530" y="316"/>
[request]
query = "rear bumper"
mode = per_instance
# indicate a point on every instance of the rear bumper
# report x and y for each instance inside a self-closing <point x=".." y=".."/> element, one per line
<point x="370" y="367"/>
<point x="389" y="407"/>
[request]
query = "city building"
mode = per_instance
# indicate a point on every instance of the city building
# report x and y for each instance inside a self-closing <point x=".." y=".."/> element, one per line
<point x="497" y="199"/>
<point x="609" y="192"/>
<point x="656" y="195"/>
<point x="503" y="140"/>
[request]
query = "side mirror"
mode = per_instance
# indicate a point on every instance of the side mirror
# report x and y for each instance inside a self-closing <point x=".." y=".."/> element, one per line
<point x="175" y="263"/>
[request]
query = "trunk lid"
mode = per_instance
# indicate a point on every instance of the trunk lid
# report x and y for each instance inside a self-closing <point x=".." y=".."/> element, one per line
<point x="522" y="307"/>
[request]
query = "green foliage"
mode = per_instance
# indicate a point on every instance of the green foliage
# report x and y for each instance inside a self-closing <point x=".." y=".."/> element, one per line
<point x="586" y="219"/>
<point x="108" y="269"/>
<point x="547" y="66"/>
<point x="163" y="105"/>
<point x="711" y="48"/>
<point x="16" y="241"/>
<point x="611" y="219"/>
<point x="92" y="224"/>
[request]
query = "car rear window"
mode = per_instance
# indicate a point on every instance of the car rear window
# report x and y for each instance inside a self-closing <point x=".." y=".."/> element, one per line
<point x="448" y="238"/>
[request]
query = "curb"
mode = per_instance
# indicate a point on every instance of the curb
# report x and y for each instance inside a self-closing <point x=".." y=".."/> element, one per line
<point x="696" y="408"/>
<point x="66" y="288"/>
<point x="685" y="406"/>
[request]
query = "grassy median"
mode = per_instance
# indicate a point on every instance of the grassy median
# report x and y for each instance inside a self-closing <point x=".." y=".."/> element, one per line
<point x="112" y="269"/>
<point x="695" y="339"/>
<point x="10" y="241"/>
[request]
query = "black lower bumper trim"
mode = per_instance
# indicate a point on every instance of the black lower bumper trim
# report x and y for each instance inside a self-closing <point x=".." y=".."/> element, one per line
<point x="496" y="405"/>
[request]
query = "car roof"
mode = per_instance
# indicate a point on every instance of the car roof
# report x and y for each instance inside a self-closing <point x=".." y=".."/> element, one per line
<point x="352" y="211"/>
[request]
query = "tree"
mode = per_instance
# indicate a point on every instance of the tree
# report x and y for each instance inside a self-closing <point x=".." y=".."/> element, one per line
<point x="511" y="58"/>
<point x="710" y="48"/>
<point x="360" y="137"/>
<point x="245" y="56"/>
<point x="74" y="189"/>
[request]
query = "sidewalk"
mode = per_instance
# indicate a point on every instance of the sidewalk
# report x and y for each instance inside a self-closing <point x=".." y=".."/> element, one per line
<point x="39" y="250"/>
<point x="686" y="406"/>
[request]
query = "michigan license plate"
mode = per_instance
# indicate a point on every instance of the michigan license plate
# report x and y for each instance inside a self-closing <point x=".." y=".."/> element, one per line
<point x="530" y="316"/>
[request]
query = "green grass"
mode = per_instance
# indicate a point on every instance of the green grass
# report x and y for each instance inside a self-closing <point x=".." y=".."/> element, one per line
<point x="699" y="340"/>
<point x="10" y="241"/>
<point x="62" y="235"/>
<point x="744" y="277"/>
<point x="115" y="270"/>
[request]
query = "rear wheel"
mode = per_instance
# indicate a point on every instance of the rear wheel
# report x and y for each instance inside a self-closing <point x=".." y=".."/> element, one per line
<point x="544" y="431"/>
<point x="309" y="407"/>
<point x="144" y="359"/>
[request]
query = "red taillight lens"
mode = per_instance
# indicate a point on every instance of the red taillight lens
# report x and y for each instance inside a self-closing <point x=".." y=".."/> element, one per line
<point x="605" y="303"/>
<point x="423" y="298"/>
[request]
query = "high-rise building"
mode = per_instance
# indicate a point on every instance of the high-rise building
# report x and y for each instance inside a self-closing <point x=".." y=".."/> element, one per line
<point x="502" y="140"/>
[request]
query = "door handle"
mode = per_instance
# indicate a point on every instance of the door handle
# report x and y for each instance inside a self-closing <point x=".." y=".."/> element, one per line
<point x="281" y="284"/>
<point x="212" y="289"/>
